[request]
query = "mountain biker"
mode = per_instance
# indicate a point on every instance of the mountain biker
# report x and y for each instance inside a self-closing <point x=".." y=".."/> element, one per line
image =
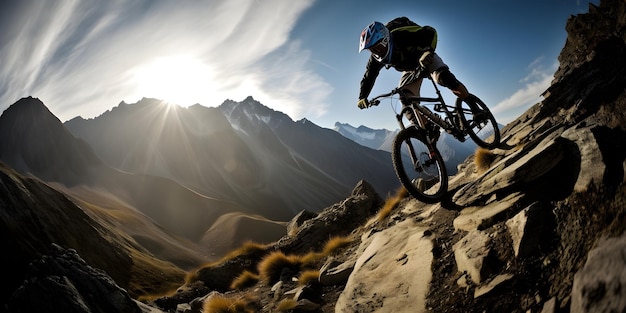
<point x="404" y="45"/>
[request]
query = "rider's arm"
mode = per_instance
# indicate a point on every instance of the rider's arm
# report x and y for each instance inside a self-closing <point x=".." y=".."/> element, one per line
<point x="372" y="69"/>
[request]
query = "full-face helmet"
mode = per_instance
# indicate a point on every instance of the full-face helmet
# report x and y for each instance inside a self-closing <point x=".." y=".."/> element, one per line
<point x="376" y="38"/>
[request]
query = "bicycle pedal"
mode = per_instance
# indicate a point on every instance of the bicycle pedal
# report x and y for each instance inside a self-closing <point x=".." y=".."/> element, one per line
<point x="480" y="116"/>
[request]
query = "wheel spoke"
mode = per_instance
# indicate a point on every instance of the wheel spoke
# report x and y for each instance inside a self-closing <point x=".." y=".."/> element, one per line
<point x="420" y="169"/>
<point x="478" y="122"/>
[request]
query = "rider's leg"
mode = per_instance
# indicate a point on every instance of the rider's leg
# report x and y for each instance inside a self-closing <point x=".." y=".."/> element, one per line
<point x="441" y="74"/>
<point x="411" y="85"/>
<point x="445" y="78"/>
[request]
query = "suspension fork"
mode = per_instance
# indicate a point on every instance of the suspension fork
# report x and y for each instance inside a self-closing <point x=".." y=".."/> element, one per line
<point x="409" y="144"/>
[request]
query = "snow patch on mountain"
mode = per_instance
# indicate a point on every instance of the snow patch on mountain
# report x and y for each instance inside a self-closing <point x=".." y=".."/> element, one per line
<point x="377" y="139"/>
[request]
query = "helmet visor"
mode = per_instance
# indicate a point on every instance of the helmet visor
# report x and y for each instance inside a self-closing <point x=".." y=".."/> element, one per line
<point x="380" y="49"/>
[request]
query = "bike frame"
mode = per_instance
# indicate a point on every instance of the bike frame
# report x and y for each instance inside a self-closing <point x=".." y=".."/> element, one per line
<point x="420" y="110"/>
<point x="458" y="121"/>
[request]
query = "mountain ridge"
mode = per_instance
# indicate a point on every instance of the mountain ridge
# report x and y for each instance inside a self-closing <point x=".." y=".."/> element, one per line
<point x="379" y="139"/>
<point x="30" y="132"/>
<point x="251" y="137"/>
<point x="36" y="143"/>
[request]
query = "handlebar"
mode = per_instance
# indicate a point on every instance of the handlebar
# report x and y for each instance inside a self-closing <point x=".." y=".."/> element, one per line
<point x="376" y="100"/>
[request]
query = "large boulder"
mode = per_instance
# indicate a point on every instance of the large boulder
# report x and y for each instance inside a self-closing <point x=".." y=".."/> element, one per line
<point x="601" y="285"/>
<point x="337" y="220"/>
<point x="392" y="273"/>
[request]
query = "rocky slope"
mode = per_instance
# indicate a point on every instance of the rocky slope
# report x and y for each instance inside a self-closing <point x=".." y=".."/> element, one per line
<point x="540" y="230"/>
<point x="33" y="215"/>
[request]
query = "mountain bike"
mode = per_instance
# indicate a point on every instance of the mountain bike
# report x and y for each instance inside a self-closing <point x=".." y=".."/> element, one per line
<point x="416" y="159"/>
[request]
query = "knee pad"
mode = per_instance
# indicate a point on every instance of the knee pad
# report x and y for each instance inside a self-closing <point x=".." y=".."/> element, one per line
<point x="447" y="79"/>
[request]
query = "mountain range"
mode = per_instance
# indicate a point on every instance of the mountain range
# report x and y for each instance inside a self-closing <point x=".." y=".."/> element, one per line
<point x="182" y="185"/>
<point x="187" y="168"/>
<point x="241" y="152"/>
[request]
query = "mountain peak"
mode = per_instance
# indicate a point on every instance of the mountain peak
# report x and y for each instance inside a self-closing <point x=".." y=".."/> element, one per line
<point x="378" y="139"/>
<point x="249" y="99"/>
<point x="27" y="106"/>
<point x="30" y="133"/>
<point x="251" y="111"/>
<point x="28" y="114"/>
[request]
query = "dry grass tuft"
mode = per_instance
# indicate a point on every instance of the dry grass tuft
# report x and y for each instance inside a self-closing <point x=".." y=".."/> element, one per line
<point x="391" y="202"/>
<point x="154" y="296"/>
<point x="247" y="248"/>
<point x="244" y="280"/>
<point x="310" y="259"/>
<point x="273" y="264"/>
<point x="308" y="277"/>
<point x="483" y="159"/>
<point x="334" y="244"/>
<point x="192" y="277"/>
<point x="222" y="304"/>
<point x="286" y="305"/>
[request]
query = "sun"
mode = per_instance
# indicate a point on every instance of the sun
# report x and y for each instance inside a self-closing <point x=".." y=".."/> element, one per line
<point x="179" y="79"/>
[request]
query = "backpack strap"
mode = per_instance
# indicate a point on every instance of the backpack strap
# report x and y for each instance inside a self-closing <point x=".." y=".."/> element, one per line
<point x="410" y="28"/>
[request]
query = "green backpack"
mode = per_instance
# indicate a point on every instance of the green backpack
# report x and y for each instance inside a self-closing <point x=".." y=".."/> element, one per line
<point x="399" y="22"/>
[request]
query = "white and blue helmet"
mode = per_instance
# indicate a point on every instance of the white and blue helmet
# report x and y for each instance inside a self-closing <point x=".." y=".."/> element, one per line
<point x="376" y="39"/>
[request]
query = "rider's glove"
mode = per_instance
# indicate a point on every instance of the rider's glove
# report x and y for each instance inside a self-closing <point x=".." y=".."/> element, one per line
<point x="363" y="104"/>
<point x="426" y="59"/>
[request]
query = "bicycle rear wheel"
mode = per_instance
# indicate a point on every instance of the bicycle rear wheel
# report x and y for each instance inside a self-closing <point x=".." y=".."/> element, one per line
<point x="478" y="122"/>
<point x="423" y="175"/>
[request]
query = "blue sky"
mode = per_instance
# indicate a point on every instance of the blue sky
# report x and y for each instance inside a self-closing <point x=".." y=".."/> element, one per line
<point x="300" y="57"/>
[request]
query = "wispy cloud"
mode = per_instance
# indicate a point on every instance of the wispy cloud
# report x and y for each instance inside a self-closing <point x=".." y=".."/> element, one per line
<point x="81" y="58"/>
<point x="533" y="85"/>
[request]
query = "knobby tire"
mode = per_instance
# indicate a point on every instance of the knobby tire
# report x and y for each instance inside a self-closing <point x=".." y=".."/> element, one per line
<point x="484" y="131"/>
<point x="432" y="166"/>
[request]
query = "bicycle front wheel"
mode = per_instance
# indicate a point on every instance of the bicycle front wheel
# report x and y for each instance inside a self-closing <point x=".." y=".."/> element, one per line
<point x="478" y="122"/>
<point x="419" y="166"/>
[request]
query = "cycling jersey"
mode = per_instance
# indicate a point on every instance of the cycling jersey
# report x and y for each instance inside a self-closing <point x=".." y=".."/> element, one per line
<point x="409" y="43"/>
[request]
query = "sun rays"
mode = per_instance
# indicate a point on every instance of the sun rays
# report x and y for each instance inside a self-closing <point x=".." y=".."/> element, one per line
<point x="178" y="79"/>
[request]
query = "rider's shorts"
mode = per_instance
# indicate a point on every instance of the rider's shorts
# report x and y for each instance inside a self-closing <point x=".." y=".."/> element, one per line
<point x="413" y="84"/>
